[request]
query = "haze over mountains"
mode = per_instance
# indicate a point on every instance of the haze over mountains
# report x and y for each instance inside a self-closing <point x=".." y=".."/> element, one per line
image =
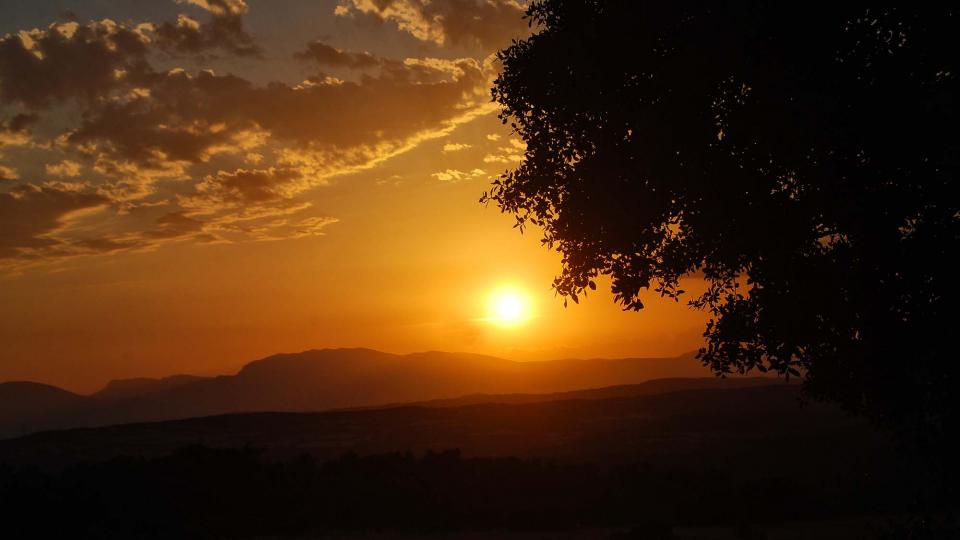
<point x="321" y="380"/>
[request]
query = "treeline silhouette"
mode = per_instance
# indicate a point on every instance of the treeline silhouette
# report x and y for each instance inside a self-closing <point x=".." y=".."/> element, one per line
<point x="202" y="492"/>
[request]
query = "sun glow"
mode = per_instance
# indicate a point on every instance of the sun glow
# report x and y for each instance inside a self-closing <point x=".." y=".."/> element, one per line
<point x="509" y="306"/>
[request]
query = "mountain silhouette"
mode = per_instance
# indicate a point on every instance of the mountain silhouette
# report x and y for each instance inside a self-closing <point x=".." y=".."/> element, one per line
<point x="324" y="379"/>
<point x="143" y="386"/>
<point x="30" y="406"/>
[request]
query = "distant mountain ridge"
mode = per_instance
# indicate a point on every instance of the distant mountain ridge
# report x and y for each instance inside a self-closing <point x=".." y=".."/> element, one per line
<point x="28" y="406"/>
<point x="319" y="380"/>
<point x="143" y="386"/>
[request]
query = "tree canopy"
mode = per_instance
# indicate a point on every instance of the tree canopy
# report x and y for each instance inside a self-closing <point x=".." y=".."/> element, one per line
<point x="802" y="160"/>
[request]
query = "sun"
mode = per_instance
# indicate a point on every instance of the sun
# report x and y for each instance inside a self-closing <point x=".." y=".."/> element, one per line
<point x="509" y="306"/>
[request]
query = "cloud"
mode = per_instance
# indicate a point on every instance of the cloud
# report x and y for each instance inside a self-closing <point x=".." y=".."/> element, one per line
<point x="188" y="117"/>
<point x="219" y="7"/>
<point x="454" y="175"/>
<point x="29" y="213"/>
<point x="19" y="122"/>
<point x="313" y="226"/>
<point x="124" y="181"/>
<point x="286" y="229"/>
<point x="511" y="153"/>
<point x="7" y="173"/>
<point x="324" y="54"/>
<point x="174" y="155"/>
<point x="224" y="31"/>
<point x="44" y="67"/>
<point x="483" y="24"/>
<point x="175" y="225"/>
<point x="67" y="61"/>
<point x="179" y="119"/>
<point x="65" y="168"/>
<point x="397" y="104"/>
<point x="455" y="147"/>
<point x="14" y="138"/>
<point x="249" y="187"/>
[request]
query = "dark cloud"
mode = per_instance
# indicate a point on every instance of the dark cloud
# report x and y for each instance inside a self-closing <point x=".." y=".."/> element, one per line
<point x="484" y="24"/>
<point x="223" y="31"/>
<point x="14" y="132"/>
<point x="248" y="187"/>
<point x="327" y="55"/>
<point x="68" y="60"/>
<point x="393" y="106"/>
<point x="489" y="24"/>
<point x="179" y="119"/>
<point x="42" y="67"/>
<point x="186" y="117"/>
<point x="29" y="212"/>
<point x="19" y="123"/>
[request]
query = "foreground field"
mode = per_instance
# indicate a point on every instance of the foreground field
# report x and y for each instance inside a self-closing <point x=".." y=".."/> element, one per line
<point x="736" y="462"/>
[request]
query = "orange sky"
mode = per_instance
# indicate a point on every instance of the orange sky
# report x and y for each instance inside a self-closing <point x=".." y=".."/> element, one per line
<point x="163" y="219"/>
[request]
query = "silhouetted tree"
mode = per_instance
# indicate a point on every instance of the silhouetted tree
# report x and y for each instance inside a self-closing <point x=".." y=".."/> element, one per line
<point x="801" y="160"/>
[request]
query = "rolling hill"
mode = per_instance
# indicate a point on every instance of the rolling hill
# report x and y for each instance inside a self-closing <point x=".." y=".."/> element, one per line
<point x="757" y="424"/>
<point x="596" y="460"/>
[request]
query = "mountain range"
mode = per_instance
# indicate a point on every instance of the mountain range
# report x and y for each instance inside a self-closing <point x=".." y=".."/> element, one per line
<point x="327" y="379"/>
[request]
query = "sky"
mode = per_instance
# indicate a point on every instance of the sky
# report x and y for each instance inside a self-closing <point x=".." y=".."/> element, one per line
<point x="189" y="185"/>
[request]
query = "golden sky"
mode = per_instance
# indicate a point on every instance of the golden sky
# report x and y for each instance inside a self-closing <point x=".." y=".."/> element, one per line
<point x="189" y="185"/>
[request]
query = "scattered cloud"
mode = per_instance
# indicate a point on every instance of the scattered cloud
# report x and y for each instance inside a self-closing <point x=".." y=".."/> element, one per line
<point x="7" y="173"/>
<point x="455" y="147"/>
<point x="65" y="61"/>
<point x="30" y="213"/>
<point x="65" y="168"/>
<point x="223" y="31"/>
<point x="249" y="187"/>
<point x="326" y="55"/>
<point x="285" y="229"/>
<point x="482" y="24"/>
<point x="14" y="138"/>
<point x="161" y="155"/>
<point x="219" y="7"/>
<point x="512" y="152"/>
<point x="454" y="175"/>
<point x="19" y="123"/>
<point x="191" y="117"/>
<point x="13" y="132"/>
<point x="175" y="225"/>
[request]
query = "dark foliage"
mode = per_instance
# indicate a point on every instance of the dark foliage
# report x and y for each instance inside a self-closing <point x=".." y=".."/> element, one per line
<point x="199" y="492"/>
<point x="801" y="159"/>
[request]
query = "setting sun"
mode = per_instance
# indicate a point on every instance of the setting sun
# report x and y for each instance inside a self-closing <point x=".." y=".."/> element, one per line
<point x="509" y="307"/>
